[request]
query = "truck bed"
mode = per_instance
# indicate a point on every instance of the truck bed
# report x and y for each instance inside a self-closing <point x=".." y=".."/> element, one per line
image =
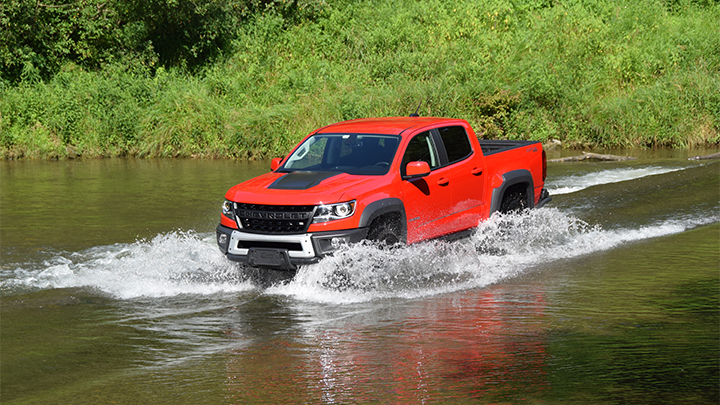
<point x="490" y="147"/>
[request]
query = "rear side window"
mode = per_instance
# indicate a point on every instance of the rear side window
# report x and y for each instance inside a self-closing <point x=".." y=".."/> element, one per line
<point x="456" y="143"/>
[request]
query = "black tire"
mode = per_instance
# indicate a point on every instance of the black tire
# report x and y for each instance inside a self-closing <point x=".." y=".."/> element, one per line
<point x="385" y="231"/>
<point x="515" y="200"/>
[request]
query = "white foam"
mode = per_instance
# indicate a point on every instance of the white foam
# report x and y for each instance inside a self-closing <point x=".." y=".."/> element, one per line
<point x="180" y="263"/>
<point x="502" y="247"/>
<point x="575" y="183"/>
<point x="168" y="265"/>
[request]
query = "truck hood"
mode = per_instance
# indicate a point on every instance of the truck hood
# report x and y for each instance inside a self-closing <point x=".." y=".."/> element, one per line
<point x="303" y="188"/>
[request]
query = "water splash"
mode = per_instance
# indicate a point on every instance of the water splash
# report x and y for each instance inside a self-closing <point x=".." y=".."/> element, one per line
<point x="574" y="183"/>
<point x="502" y="247"/>
<point x="167" y="265"/>
<point x="180" y="263"/>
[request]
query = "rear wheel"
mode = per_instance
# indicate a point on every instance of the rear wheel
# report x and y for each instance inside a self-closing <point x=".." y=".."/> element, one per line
<point x="515" y="199"/>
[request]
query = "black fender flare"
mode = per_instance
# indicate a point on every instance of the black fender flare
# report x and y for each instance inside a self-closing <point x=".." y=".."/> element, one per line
<point x="510" y="179"/>
<point x="381" y="207"/>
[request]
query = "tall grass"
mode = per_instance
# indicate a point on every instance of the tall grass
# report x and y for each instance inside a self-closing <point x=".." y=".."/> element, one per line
<point x="588" y="73"/>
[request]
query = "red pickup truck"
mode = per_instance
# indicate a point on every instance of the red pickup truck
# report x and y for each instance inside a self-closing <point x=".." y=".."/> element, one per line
<point x="394" y="180"/>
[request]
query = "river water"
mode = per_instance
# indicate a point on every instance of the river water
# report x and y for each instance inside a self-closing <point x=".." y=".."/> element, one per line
<point x="113" y="291"/>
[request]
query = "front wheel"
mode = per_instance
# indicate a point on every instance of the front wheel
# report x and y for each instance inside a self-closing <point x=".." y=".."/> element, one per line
<point x="385" y="231"/>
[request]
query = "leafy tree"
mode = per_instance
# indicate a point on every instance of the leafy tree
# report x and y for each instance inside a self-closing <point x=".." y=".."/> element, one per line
<point x="38" y="36"/>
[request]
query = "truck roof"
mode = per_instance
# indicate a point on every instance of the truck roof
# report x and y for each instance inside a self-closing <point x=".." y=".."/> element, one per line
<point x="385" y="125"/>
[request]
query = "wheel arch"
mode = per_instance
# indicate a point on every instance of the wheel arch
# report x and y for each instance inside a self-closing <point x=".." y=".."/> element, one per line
<point x="385" y="206"/>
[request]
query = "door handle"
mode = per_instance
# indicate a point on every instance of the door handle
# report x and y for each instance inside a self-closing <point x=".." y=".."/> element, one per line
<point x="443" y="181"/>
<point x="476" y="171"/>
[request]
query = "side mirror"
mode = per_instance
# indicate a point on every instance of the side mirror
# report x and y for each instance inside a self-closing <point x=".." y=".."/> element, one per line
<point x="275" y="163"/>
<point x="417" y="169"/>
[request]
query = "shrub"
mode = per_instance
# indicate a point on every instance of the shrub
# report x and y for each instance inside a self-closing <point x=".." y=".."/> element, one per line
<point x="248" y="79"/>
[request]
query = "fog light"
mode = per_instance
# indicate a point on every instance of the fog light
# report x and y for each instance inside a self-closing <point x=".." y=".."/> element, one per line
<point x="222" y="240"/>
<point x="337" y="242"/>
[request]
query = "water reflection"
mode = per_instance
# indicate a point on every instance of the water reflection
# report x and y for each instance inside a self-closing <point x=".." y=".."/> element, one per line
<point x="609" y="296"/>
<point x="484" y="344"/>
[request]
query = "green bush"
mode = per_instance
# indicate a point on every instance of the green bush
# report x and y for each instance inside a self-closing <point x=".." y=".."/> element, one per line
<point x="248" y="79"/>
<point x="37" y="39"/>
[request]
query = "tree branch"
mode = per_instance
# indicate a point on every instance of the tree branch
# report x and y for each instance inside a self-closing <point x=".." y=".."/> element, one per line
<point x="593" y="156"/>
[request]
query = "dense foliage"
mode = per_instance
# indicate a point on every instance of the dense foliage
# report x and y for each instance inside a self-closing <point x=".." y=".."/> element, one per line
<point x="39" y="38"/>
<point x="249" y="78"/>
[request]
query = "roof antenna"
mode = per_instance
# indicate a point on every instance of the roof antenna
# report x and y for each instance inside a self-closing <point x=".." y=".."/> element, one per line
<point x="415" y="114"/>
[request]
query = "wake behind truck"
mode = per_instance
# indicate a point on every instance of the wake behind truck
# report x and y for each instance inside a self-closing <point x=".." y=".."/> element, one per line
<point x="391" y="180"/>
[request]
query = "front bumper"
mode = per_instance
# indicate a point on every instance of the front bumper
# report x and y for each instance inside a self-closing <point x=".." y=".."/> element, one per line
<point x="282" y="252"/>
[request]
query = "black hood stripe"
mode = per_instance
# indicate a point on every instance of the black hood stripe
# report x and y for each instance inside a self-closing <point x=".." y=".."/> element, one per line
<point x="300" y="180"/>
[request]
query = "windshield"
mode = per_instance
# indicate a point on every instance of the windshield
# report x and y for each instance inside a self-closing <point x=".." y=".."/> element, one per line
<point x="348" y="153"/>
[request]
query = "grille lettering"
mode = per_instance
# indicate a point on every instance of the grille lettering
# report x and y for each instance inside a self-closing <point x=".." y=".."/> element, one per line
<point x="273" y="215"/>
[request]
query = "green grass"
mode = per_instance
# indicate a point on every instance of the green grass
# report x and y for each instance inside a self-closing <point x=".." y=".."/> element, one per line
<point x="588" y="73"/>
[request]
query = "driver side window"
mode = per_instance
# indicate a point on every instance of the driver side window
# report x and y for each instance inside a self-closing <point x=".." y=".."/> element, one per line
<point x="421" y="148"/>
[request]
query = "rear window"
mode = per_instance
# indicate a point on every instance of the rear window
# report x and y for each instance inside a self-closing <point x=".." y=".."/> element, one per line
<point x="457" y="144"/>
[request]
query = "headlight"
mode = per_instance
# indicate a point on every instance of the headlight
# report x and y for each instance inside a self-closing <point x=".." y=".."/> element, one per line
<point x="227" y="209"/>
<point x="331" y="212"/>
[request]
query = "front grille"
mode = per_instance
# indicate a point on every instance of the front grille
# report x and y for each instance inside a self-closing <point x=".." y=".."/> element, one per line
<point x="274" y="219"/>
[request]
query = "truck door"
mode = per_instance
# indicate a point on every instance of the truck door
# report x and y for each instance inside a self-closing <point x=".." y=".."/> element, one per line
<point x="465" y="172"/>
<point x="426" y="199"/>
